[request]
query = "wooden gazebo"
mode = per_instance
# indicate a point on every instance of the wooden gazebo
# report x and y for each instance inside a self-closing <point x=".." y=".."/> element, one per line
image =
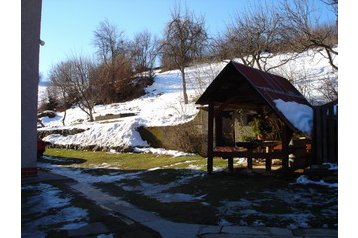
<point x="240" y="87"/>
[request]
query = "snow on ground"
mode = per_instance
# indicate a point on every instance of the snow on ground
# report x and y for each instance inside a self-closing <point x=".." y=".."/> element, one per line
<point x="304" y="180"/>
<point x="160" y="151"/>
<point x="246" y="209"/>
<point x="240" y="162"/>
<point x="81" y="177"/>
<point x="301" y="116"/>
<point x="155" y="191"/>
<point x="180" y="163"/>
<point x="331" y="166"/>
<point x="51" y="197"/>
<point x="301" y="198"/>
<point x="162" y="105"/>
<point x="109" y="135"/>
<point x="45" y="199"/>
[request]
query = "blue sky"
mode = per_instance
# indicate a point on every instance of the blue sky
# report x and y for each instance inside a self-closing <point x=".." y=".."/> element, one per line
<point x="67" y="25"/>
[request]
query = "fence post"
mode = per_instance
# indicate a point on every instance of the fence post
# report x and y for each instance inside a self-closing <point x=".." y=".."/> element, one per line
<point x="325" y="134"/>
<point x="210" y="137"/>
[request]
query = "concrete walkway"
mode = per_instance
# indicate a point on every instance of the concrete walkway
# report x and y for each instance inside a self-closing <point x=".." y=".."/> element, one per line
<point x="130" y="214"/>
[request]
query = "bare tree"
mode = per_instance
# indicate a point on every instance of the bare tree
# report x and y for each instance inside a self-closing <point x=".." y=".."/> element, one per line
<point x="300" y="77"/>
<point x="60" y="86"/>
<point x="115" y="69"/>
<point x="334" y="6"/>
<point x="185" y="38"/>
<point x="329" y="88"/>
<point x="83" y="75"/>
<point x="109" y="41"/>
<point x="202" y="76"/>
<point x="304" y="31"/>
<point x="255" y="38"/>
<point x="72" y="82"/>
<point x="317" y="88"/>
<point x="144" y="51"/>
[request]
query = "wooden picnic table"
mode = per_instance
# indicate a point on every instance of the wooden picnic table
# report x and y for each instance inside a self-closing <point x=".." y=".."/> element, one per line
<point x="251" y="149"/>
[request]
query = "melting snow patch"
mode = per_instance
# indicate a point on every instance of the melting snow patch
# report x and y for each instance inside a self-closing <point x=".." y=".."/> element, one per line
<point x="241" y="161"/>
<point x="105" y="236"/>
<point x="155" y="168"/>
<point x="80" y="176"/>
<point x="331" y="166"/>
<point x="300" y="220"/>
<point x="258" y="223"/>
<point x="160" y="151"/>
<point x="194" y="167"/>
<point x="46" y="199"/>
<point x="304" y="180"/>
<point x="177" y="197"/>
<point x="300" y="115"/>
<point x="73" y="226"/>
<point x="156" y="190"/>
<point x="223" y="222"/>
<point x="104" y="165"/>
<point x="218" y="169"/>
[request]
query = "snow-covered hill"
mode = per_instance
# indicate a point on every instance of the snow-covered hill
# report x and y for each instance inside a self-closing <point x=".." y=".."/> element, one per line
<point x="163" y="103"/>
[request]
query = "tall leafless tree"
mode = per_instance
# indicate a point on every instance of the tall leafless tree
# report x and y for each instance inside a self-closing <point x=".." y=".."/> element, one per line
<point x="60" y="86"/>
<point x="143" y="52"/>
<point x="115" y="69"/>
<point x="185" y="39"/>
<point x="73" y="82"/>
<point x="254" y="37"/>
<point x="83" y="75"/>
<point x="304" y="31"/>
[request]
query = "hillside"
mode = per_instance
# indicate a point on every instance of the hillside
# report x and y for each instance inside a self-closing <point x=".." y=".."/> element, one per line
<point x="115" y="126"/>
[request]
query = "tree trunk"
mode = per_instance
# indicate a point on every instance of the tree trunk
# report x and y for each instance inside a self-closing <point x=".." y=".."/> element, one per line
<point x="91" y="115"/>
<point x="64" y="117"/>
<point x="329" y="54"/>
<point x="184" y="86"/>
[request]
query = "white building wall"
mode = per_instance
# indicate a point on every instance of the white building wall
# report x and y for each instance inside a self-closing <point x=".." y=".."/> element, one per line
<point x="30" y="38"/>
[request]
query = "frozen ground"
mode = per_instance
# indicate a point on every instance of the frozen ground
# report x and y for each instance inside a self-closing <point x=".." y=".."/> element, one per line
<point x="45" y="207"/>
<point x="178" y="193"/>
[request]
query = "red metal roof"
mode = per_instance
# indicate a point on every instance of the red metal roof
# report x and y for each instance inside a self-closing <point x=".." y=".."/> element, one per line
<point x="269" y="86"/>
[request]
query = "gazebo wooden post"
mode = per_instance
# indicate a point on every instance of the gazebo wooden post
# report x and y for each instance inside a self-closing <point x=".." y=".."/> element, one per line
<point x="286" y="137"/>
<point x="218" y="129"/>
<point x="230" y="163"/>
<point x="268" y="162"/>
<point x="210" y="137"/>
<point x="249" y="160"/>
<point x="219" y="137"/>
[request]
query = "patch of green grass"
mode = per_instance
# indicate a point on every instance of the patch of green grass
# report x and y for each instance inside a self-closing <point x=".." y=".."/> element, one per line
<point x="125" y="161"/>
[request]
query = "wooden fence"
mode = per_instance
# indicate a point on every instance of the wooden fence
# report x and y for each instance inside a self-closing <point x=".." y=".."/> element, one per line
<point x="325" y="134"/>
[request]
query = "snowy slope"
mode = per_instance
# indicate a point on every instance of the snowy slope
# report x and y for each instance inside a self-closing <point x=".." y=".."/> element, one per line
<point x="163" y="103"/>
